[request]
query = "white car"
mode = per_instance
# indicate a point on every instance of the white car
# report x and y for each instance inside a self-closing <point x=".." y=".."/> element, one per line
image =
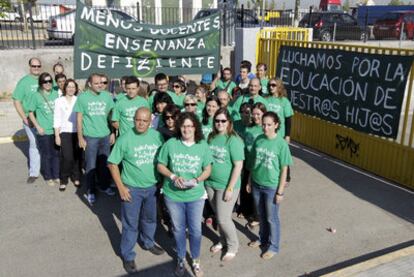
<point x="43" y="12"/>
<point x="10" y="16"/>
<point x="62" y="27"/>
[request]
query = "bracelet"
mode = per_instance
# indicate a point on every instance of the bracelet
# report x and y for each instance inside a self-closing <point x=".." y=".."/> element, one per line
<point x="280" y="194"/>
<point x="229" y="189"/>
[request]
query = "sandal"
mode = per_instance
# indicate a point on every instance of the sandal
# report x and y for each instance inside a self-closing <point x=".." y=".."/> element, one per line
<point x="254" y="244"/>
<point x="76" y="183"/>
<point x="62" y="187"/>
<point x="268" y="255"/>
<point x="196" y="268"/>
<point x="228" y="257"/>
<point x="216" y="248"/>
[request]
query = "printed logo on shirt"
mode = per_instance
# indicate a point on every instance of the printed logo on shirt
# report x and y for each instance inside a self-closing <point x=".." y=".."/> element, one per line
<point x="274" y="107"/>
<point x="265" y="157"/>
<point x="130" y="113"/>
<point x="46" y="107"/>
<point x="219" y="153"/>
<point x="97" y="108"/>
<point x="184" y="163"/>
<point x="145" y="154"/>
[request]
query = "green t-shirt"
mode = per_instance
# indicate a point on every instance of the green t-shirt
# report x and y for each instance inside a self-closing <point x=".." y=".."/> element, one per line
<point x="121" y="95"/>
<point x="282" y="107"/>
<point x="222" y="85"/>
<point x="187" y="162"/>
<point x="245" y="99"/>
<point x="138" y="154"/>
<point x="200" y="108"/>
<point x="44" y="110"/>
<point x="270" y="155"/>
<point x="124" y="112"/>
<point x="95" y="109"/>
<point x="225" y="150"/>
<point x="263" y="84"/>
<point x="249" y="136"/>
<point x="24" y="90"/>
<point x="208" y="128"/>
<point x="239" y="127"/>
<point x="178" y="100"/>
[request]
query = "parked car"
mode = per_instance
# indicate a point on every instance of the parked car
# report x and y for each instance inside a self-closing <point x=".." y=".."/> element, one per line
<point x="390" y="25"/>
<point x="323" y="23"/>
<point x="62" y="26"/>
<point x="8" y="15"/>
<point x="43" y="12"/>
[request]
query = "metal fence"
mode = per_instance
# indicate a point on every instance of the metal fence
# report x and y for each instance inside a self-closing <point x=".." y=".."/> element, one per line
<point x="39" y="26"/>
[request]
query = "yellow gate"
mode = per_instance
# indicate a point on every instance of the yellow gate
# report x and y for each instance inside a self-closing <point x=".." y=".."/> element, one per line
<point x="391" y="159"/>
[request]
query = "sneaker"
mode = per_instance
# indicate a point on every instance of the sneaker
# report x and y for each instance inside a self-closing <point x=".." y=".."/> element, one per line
<point x="109" y="191"/>
<point x="31" y="179"/>
<point x="196" y="268"/>
<point x="156" y="250"/>
<point x="268" y="255"/>
<point x="62" y="187"/>
<point x="179" y="269"/>
<point x="57" y="181"/>
<point x="228" y="257"/>
<point x="130" y="267"/>
<point x="91" y="198"/>
<point x="50" y="183"/>
<point x="254" y="244"/>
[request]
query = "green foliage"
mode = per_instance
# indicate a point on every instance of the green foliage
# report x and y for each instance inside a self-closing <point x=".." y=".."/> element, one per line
<point x="396" y="3"/>
<point x="345" y="6"/>
<point x="4" y="6"/>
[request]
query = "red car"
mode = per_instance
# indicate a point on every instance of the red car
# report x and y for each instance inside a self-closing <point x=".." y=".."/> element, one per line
<point x="390" y="24"/>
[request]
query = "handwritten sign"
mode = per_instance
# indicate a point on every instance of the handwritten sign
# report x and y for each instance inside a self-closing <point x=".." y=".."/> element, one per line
<point x="108" y="41"/>
<point x="358" y="90"/>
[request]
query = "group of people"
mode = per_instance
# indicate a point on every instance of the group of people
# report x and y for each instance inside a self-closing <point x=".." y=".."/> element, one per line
<point x="205" y="153"/>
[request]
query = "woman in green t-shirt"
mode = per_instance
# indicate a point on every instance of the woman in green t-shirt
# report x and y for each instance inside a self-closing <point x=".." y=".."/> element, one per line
<point x="223" y="185"/>
<point x="271" y="156"/>
<point x="41" y="107"/>
<point x="280" y="104"/>
<point x="185" y="162"/>
<point x="261" y="73"/>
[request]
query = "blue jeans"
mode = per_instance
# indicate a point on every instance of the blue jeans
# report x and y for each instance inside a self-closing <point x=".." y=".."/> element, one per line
<point x="186" y="215"/>
<point x="49" y="156"/>
<point x="139" y="221"/>
<point x="34" y="156"/>
<point x="268" y="210"/>
<point x="96" y="156"/>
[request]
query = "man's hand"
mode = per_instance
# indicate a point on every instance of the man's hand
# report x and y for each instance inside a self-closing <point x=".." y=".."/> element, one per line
<point x="82" y="143"/>
<point x="40" y="131"/>
<point x="58" y="141"/>
<point x="124" y="193"/>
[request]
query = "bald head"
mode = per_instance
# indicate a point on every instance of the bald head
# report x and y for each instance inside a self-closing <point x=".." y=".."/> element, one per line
<point x="142" y="119"/>
<point x="254" y="86"/>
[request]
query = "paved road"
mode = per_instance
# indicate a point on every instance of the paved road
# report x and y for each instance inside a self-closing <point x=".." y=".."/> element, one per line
<point x="44" y="232"/>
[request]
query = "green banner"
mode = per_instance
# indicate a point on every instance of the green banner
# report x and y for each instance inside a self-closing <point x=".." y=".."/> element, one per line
<point x="111" y="42"/>
<point x="359" y="90"/>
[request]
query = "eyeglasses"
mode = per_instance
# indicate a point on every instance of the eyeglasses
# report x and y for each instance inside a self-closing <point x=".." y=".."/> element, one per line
<point x="104" y="83"/>
<point x="47" y="82"/>
<point x="272" y="85"/>
<point x="35" y="66"/>
<point x="169" y="117"/>
<point x="220" y="120"/>
<point x="190" y="104"/>
<point x="176" y="86"/>
<point x="187" y="126"/>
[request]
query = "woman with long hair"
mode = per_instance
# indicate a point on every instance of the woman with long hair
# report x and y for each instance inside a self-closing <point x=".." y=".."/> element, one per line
<point x="161" y="100"/>
<point x="212" y="105"/>
<point x="66" y="135"/>
<point x="223" y="185"/>
<point x="185" y="162"/>
<point x="169" y="117"/>
<point x="41" y="109"/>
<point x="271" y="157"/>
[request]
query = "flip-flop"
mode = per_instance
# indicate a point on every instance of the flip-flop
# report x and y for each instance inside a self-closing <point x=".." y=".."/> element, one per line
<point x="216" y="248"/>
<point x="62" y="187"/>
<point x="228" y="257"/>
<point x="268" y="255"/>
<point x="254" y="244"/>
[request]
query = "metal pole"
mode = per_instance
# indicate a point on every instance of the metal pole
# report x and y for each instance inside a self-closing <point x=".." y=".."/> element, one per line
<point x="242" y="15"/>
<point x="31" y="25"/>
<point x="263" y="14"/>
<point x="310" y="17"/>
<point x="334" y="32"/>
<point x="296" y="15"/>
<point x="138" y="14"/>
<point x="401" y="34"/>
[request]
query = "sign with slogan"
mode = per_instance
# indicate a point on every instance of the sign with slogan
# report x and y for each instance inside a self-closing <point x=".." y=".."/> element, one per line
<point x="111" y="42"/>
<point x="358" y="90"/>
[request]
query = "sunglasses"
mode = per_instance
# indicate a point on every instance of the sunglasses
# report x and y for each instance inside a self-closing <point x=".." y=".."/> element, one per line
<point x="169" y="117"/>
<point x="190" y="104"/>
<point x="220" y="120"/>
<point x="176" y="86"/>
<point x="47" y="82"/>
<point x="36" y="66"/>
<point x="104" y="83"/>
<point x="272" y="85"/>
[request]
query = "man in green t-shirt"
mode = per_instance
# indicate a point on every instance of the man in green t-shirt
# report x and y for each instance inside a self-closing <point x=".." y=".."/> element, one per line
<point x="21" y="98"/>
<point x="224" y="82"/>
<point x="124" y="110"/>
<point x="252" y="98"/>
<point x="93" y="108"/>
<point x="161" y="83"/>
<point x="137" y="149"/>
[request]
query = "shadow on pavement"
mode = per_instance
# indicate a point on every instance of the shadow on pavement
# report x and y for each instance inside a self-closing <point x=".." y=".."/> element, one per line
<point x="399" y="202"/>
<point x="360" y="259"/>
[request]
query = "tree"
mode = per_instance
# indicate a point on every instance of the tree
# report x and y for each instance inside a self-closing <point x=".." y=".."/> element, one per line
<point x="396" y="3"/>
<point x="4" y="6"/>
<point x="345" y="6"/>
